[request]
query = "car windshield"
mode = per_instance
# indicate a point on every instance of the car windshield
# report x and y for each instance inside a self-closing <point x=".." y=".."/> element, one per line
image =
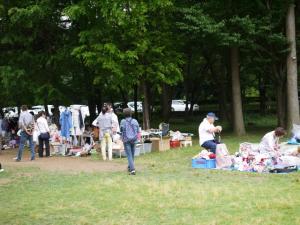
<point x="179" y="102"/>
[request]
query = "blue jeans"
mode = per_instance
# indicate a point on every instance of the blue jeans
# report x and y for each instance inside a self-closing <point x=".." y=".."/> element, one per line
<point x="210" y="145"/>
<point x="24" y="137"/>
<point x="130" y="150"/>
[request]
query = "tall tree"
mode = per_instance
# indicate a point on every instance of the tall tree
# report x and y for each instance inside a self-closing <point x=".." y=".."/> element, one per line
<point x="292" y="76"/>
<point x="238" y="121"/>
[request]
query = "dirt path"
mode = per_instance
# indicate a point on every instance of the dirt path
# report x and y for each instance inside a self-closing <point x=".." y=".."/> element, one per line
<point x="60" y="163"/>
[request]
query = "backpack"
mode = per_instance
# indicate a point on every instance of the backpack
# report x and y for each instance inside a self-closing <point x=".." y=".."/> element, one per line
<point x="130" y="134"/>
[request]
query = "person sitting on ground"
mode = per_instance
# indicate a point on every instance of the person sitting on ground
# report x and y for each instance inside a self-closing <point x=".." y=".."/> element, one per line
<point x="207" y="132"/>
<point x="270" y="141"/>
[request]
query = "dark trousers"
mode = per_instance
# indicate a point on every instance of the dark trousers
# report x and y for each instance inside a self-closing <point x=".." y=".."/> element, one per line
<point x="41" y="147"/>
<point x="210" y="145"/>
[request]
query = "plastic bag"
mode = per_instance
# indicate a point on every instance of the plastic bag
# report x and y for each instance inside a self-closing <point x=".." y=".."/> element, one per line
<point x="223" y="159"/>
<point x="296" y="131"/>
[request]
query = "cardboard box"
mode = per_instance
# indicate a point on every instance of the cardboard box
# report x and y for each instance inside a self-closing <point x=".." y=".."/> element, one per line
<point x="188" y="138"/>
<point x="160" y="144"/>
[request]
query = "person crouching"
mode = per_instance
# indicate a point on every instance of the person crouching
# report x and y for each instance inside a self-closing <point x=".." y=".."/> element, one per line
<point x="207" y="132"/>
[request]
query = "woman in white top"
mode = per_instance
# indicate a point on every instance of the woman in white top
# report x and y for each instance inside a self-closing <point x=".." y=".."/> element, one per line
<point x="270" y="142"/>
<point x="43" y="128"/>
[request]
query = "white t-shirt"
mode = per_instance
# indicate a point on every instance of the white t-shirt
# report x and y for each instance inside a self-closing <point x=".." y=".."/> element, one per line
<point x="268" y="142"/>
<point x="115" y="121"/>
<point x="42" y="125"/>
<point x="204" y="133"/>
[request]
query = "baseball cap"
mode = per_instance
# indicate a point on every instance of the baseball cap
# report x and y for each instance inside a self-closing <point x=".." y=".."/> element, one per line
<point x="211" y="114"/>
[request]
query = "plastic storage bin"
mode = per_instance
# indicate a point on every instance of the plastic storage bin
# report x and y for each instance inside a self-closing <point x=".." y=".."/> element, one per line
<point x="175" y="144"/>
<point x="147" y="147"/>
<point x="204" y="163"/>
<point x="137" y="150"/>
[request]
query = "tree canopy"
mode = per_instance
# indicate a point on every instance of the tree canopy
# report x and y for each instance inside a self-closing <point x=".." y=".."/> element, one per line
<point x="90" y="51"/>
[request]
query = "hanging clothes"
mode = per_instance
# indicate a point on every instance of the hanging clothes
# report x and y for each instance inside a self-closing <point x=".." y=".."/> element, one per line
<point x="77" y="122"/>
<point x="65" y="121"/>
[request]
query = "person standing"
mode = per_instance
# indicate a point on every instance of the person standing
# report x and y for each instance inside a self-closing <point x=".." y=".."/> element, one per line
<point x="114" y="117"/>
<point x="129" y="130"/>
<point x="105" y="124"/>
<point x="26" y="125"/>
<point x="44" y="134"/>
<point x="207" y="132"/>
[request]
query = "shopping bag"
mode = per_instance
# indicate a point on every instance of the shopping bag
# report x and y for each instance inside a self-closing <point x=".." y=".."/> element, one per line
<point x="223" y="159"/>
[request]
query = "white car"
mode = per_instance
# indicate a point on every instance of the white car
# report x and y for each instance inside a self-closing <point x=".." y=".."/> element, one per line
<point x="179" y="106"/>
<point x="37" y="108"/>
<point x="11" y="112"/>
<point x="139" y="106"/>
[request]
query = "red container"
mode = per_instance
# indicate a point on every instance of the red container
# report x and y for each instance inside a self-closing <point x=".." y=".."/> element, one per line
<point x="175" y="144"/>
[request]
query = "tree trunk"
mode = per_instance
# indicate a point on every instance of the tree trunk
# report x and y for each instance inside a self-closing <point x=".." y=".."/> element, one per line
<point x="98" y="100"/>
<point x="187" y="82"/>
<point x="135" y="99"/>
<point x="238" y="120"/>
<point x="56" y="115"/>
<point x="262" y="96"/>
<point x="291" y="63"/>
<point x="166" y="102"/>
<point x="123" y="94"/>
<point x="92" y="110"/>
<point x="222" y="101"/>
<point x="221" y="90"/>
<point x="46" y="108"/>
<point x="1" y="112"/>
<point x="281" y="104"/>
<point x="146" y="108"/>
<point x="192" y="101"/>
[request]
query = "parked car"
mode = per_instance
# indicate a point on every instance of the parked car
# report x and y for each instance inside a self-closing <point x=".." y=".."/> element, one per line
<point x="139" y="106"/>
<point x="37" y="108"/>
<point x="119" y="106"/>
<point x="10" y="112"/>
<point x="179" y="106"/>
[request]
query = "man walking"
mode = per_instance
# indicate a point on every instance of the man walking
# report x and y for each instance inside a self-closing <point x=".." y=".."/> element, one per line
<point x="129" y="130"/>
<point x="26" y="124"/>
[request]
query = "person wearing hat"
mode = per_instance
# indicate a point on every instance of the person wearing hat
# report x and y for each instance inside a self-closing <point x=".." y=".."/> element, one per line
<point x="207" y="132"/>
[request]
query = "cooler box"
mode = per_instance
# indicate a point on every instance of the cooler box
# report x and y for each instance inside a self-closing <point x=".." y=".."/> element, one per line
<point x="175" y="144"/>
<point x="204" y="163"/>
<point x="147" y="147"/>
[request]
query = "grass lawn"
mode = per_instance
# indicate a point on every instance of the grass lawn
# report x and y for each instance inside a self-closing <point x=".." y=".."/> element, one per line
<point x="166" y="190"/>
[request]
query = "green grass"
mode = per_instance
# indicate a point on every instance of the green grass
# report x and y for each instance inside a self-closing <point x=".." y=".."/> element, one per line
<point x="166" y="190"/>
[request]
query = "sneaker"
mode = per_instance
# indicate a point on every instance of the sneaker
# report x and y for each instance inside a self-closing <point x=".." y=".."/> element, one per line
<point x="16" y="159"/>
<point x="132" y="172"/>
<point x="1" y="170"/>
